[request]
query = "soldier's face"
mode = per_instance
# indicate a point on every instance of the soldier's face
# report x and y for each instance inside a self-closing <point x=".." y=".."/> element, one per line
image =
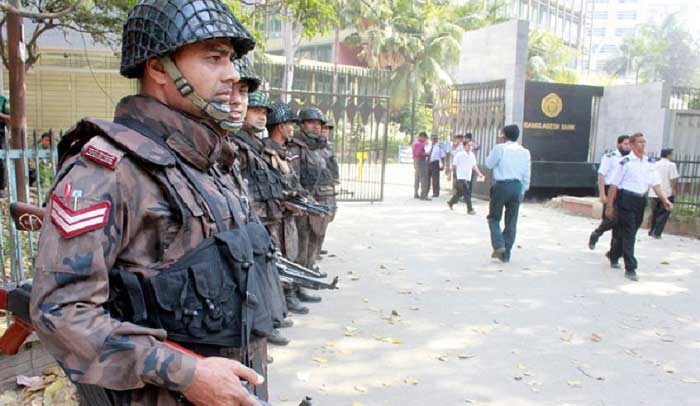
<point x="311" y="126"/>
<point x="288" y="128"/>
<point x="256" y="117"/>
<point x="325" y="132"/>
<point x="238" y="101"/>
<point x="208" y="67"/>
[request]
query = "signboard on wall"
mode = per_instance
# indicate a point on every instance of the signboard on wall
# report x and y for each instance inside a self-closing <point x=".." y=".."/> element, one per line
<point x="557" y="121"/>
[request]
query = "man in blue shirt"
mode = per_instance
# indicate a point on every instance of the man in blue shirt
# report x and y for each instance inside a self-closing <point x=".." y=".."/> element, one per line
<point x="510" y="166"/>
<point x="436" y="159"/>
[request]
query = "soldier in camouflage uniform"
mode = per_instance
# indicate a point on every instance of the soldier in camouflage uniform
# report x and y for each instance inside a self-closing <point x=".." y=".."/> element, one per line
<point x="327" y="196"/>
<point x="280" y="129"/>
<point x="264" y="187"/>
<point x="305" y="150"/>
<point x="149" y="236"/>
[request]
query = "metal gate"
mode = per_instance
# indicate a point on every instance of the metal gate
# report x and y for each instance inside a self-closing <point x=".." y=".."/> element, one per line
<point x="478" y="108"/>
<point x="359" y="139"/>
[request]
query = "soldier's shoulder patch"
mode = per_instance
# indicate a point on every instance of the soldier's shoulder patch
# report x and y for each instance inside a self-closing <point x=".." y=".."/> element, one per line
<point x="291" y="157"/>
<point x="102" y="152"/>
<point x="71" y="223"/>
<point x="651" y="159"/>
<point x="624" y="160"/>
<point x="609" y="155"/>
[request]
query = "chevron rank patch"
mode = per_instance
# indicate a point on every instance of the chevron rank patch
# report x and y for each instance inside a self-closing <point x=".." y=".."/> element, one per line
<point x="72" y="223"/>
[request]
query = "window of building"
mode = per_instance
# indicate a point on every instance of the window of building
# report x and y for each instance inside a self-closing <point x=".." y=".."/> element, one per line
<point x="599" y="31"/>
<point x="626" y="15"/>
<point x="621" y="32"/>
<point x="600" y="15"/>
<point x="601" y="65"/>
<point x="608" y="49"/>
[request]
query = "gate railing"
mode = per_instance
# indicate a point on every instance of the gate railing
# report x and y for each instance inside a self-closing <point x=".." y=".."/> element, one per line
<point x="359" y="139"/>
<point x="18" y="249"/>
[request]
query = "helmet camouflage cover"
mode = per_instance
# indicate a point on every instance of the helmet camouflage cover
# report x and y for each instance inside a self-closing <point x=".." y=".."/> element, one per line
<point x="156" y="28"/>
<point x="280" y="113"/>
<point x="312" y="113"/>
<point x="245" y="69"/>
<point x="258" y="99"/>
<point x="329" y="122"/>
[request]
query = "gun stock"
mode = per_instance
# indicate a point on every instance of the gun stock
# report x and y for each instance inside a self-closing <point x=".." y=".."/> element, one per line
<point x="303" y="280"/>
<point x="26" y="217"/>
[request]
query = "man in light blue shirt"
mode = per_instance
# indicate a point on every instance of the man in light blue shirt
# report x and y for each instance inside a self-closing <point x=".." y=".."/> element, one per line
<point x="510" y="166"/>
<point x="436" y="164"/>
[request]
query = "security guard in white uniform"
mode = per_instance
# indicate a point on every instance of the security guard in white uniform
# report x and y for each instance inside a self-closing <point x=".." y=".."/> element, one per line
<point x="608" y="163"/>
<point x="630" y="184"/>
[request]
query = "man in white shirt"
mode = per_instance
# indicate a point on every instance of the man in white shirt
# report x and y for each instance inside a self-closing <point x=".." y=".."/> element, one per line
<point x="436" y="163"/>
<point x="630" y="184"/>
<point x="510" y="166"/>
<point x="668" y="173"/>
<point x="464" y="164"/>
<point x="608" y="163"/>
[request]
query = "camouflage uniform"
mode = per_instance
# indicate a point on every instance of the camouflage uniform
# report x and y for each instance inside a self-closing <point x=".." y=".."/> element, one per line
<point x="134" y="204"/>
<point x="326" y="192"/>
<point x="309" y="163"/>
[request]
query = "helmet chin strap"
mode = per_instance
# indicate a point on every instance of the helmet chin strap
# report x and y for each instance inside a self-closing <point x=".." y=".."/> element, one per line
<point x="219" y="112"/>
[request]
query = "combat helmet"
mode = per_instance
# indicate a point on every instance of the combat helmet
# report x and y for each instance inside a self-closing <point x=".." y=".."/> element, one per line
<point x="279" y="113"/>
<point x="259" y="99"/>
<point x="328" y="122"/>
<point x="245" y="69"/>
<point x="157" y="28"/>
<point x="312" y="113"/>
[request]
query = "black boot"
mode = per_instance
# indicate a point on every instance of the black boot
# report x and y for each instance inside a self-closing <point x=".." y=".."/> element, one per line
<point x="284" y="323"/>
<point x="293" y="303"/>
<point x="276" y="338"/>
<point x="305" y="296"/>
<point x="592" y="241"/>
<point x="318" y="269"/>
<point x="631" y="275"/>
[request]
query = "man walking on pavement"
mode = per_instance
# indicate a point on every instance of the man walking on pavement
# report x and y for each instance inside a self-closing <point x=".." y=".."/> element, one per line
<point x="510" y="166"/>
<point x="436" y="164"/>
<point x="608" y="163"/>
<point x="464" y="165"/>
<point x="420" y="164"/>
<point x="668" y="173"/>
<point x="631" y="181"/>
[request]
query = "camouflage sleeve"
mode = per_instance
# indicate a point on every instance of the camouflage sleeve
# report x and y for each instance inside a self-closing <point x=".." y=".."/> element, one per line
<point x="89" y="220"/>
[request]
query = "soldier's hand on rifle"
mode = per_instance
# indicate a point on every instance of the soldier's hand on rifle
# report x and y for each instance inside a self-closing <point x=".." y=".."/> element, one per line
<point x="294" y="209"/>
<point x="217" y="382"/>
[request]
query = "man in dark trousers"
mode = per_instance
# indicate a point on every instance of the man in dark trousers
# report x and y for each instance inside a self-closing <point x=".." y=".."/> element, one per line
<point x="668" y="174"/>
<point x="608" y="163"/>
<point x="630" y="184"/>
<point x="510" y="166"/>
<point x="436" y="162"/>
<point x="420" y="164"/>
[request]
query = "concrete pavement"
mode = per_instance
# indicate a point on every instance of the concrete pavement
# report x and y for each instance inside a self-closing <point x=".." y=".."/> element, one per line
<point x="424" y="317"/>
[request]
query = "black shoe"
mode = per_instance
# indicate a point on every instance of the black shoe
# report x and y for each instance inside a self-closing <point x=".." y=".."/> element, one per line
<point x="294" y="304"/>
<point x="631" y="275"/>
<point x="416" y="197"/>
<point x="270" y="360"/>
<point x="275" y="338"/>
<point x="450" y="204"/>
<point x="436" y="196"/>
<point x="305" y="296"/>
<point x="657" y="237"/>
<point x="324" y="252"/>
<point x="284" y="323"/>
<point x="471" y="212"/>
<point x="499" y="254"/>
<point x="613" y="264"/>
<point x="427" y="199"/>
<point x="592" y="241"/>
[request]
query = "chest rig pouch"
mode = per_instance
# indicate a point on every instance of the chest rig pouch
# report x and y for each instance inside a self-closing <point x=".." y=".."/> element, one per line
<point x="212" y="295"/>
<point x="265" y="187"/>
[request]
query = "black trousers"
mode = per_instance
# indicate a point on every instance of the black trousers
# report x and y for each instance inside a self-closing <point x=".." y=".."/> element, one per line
<point x="505" y="195"/>
<point x="659" y="216"/>
<point x="464" y="190"/>
<point x="630" y="214"/>
<point x="420" y="178"/>
<point x="606" y="224"/>
<point x="434" y="174"/>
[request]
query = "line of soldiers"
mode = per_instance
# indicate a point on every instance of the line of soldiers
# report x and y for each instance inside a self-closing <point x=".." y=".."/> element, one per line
<point x="285" y="171"/>
<point x="158" y="275"/>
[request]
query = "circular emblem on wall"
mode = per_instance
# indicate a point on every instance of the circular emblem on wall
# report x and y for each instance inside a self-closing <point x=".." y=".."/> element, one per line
<point x="552" y="105"/>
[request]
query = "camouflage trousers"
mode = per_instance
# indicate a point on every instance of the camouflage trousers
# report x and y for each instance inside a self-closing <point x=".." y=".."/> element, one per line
<point x="286" y="237"/>
<point x="149" y="395"/>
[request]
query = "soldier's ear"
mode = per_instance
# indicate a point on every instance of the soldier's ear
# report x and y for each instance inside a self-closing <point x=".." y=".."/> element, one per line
<point x="155" y="71"/>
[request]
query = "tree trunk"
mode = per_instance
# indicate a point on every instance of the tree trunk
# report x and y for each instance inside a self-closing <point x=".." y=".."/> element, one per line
<point x="413" y="109"/>
<point x="336" y="48"/>
<point x="18" y="117"/>
<point x="290" y="48"/>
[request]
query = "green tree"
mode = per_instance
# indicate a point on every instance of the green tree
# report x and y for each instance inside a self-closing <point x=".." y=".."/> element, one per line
<point x="101" y="20"/>
<point x="548" y="58"/>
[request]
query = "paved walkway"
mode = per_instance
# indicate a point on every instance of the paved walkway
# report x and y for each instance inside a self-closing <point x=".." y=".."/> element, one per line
<point x="425" y="318"/>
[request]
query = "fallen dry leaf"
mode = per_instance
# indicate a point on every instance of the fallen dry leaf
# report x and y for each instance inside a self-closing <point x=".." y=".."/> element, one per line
<point x="596" y="338"/>
<point x="411" y="380"/>
<point x="575" y="384"/>
<point x="360" y="388"/>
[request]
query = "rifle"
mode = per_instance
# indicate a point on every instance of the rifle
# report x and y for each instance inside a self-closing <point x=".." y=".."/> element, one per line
<point x="289" y="275"/>
<point x="308" y="206"/>
<point x="27" y="217"/>
<point x="298" y="268"/>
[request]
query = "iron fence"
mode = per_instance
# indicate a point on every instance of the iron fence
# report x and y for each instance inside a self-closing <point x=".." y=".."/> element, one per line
<point x="688" y="185"/>
<point x="684" y="98"/>
<point x="18" y="249"/>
